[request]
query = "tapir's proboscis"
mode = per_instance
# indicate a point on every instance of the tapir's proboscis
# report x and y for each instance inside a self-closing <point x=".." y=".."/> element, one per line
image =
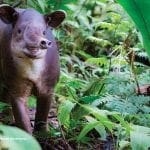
<point x="29" y="62"/>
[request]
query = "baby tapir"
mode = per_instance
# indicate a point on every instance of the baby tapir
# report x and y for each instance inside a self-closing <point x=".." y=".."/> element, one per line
<point x="29" y="62"/>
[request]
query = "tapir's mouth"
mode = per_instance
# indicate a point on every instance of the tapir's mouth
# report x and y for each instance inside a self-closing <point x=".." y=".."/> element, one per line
<point x="32" y="48"/>
<point x="33" y="53"/>
<point x="30" y="55"/>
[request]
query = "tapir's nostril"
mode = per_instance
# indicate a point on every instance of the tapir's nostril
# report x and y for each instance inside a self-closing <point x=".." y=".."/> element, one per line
<point x="49" y="43"/>
<point x="43" y="43"/>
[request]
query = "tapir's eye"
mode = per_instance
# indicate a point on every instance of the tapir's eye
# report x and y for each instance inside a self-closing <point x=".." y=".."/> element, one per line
<point x="44" y="32"/>
<point x="19" y="31"/>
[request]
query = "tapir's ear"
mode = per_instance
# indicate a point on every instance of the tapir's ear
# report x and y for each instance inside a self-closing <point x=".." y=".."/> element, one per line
<point x="55" y="19"/>
<point x="8" y="14"/>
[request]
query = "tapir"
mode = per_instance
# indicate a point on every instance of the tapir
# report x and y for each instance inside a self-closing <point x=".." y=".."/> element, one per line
<point x="29" y="62"/>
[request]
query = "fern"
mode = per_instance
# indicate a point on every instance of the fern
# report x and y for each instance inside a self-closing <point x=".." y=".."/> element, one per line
<point x="124" y="108"/>
<point x="98" y="61"/>
<point x="131" y="105"/>
<point x="98" y="41"/>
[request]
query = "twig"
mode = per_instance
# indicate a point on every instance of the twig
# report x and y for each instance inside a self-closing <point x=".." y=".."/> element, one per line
<point x="127" y="44"/>
<point x="133" y="72"/>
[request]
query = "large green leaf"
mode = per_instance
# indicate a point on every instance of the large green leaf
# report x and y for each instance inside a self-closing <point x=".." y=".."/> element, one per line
<point x="13" y="138"/>
<point x="99" y="128"/>
<point x="139" y="11"/>
<point x="140" y="138"/>
<point x="64" y="112"/>
<point x="88" y="127"/>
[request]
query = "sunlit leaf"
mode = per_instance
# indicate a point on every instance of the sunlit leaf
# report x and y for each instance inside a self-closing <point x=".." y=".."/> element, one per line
<point x="89" y="99"/>
<point x="99" y="128"/>
<point x="64" y="112"/>
<point x="140" y="138"/>
<point x="88" y="127"/>
<point x="13" y="138"/>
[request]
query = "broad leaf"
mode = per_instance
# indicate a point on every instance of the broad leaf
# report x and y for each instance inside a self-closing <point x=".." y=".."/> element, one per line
<point x="99" y="128"/>
<point x="88" y="127"/>
<point x="64" y="112"/>
<point x="100" y="115"/>
<point x="89" y="99"/>
<point x="13" y="138"/>
<point x="139" y="12"/>
<point x="140" y="138"/>
<point x="123" y="122"/>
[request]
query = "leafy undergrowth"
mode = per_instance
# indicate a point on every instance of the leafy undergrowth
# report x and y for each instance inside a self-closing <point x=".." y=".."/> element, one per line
<point x="104" y="107"/>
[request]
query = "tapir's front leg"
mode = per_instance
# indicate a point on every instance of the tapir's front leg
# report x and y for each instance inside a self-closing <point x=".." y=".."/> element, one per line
<point x="42" y="110"/>
<point x="21" y="113"/>
<point x="19" y="94"/>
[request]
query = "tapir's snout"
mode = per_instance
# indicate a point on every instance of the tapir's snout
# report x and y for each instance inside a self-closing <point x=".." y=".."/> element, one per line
<point x="44" y="43"/>
<point x="34" y="38"/>
<point x="36" y="42"/>
<point x="41" y="43"/>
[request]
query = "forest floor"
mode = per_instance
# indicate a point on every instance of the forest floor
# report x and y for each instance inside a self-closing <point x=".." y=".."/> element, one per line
<point x="57" y="138"/>
<point x="60" y="142"/>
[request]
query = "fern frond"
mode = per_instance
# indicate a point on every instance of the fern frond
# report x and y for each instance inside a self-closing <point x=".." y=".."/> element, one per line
<point x="98" y="41"/>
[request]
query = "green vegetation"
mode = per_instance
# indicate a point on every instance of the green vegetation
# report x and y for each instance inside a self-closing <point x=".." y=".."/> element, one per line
<point x="12" y="138"/>
<point x="96" y="94"/>
<point x="139" y="13"/>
